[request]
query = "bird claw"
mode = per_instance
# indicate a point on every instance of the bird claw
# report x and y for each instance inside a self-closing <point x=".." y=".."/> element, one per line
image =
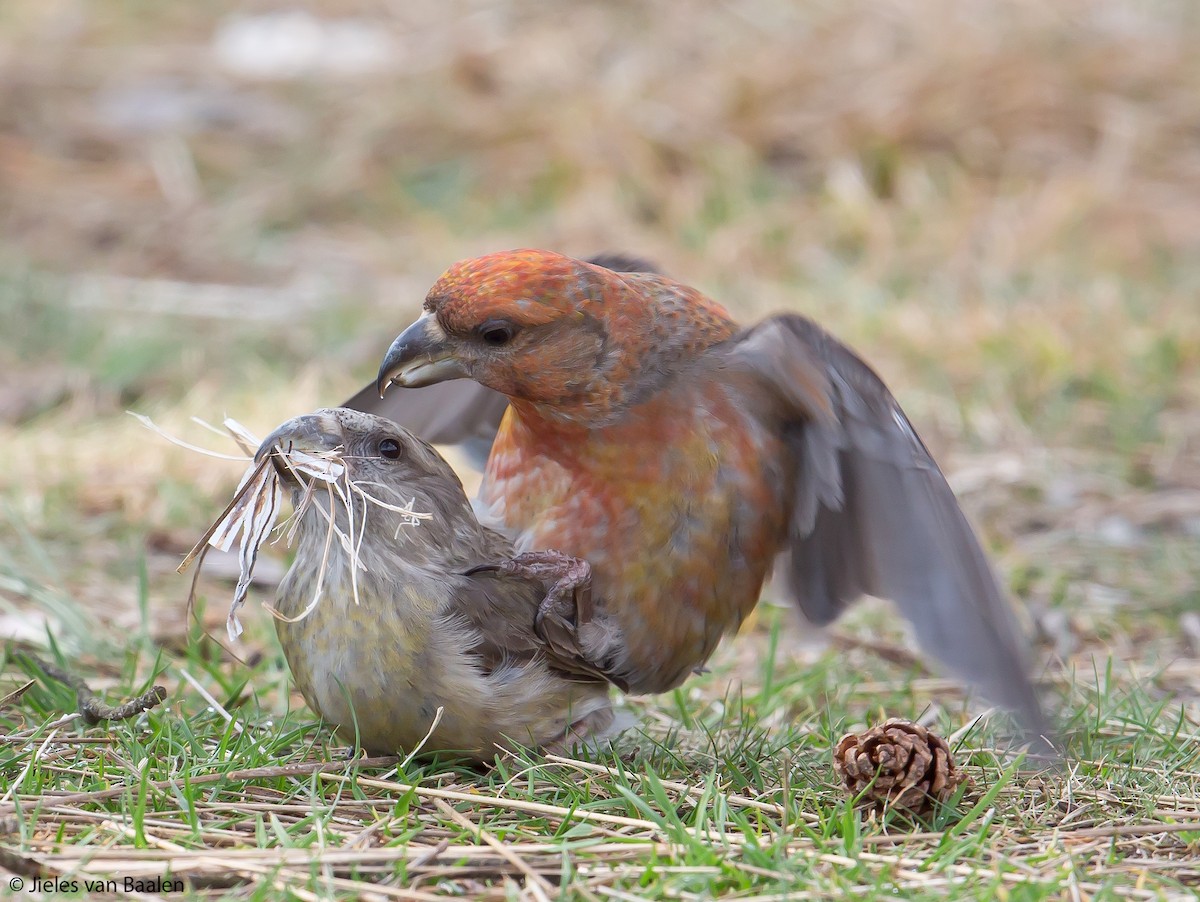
<point x="569" y="600"/>
<point x="501" y="567"/>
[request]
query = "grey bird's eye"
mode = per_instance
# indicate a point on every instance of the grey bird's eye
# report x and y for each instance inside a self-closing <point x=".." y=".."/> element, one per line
<point x="389" y="448"/>
<point x="496" y="334"/>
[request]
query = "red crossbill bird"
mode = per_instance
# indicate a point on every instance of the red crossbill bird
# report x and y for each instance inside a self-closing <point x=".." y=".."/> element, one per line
<point x="685" y="457"/>
<point x="431" y="619"/>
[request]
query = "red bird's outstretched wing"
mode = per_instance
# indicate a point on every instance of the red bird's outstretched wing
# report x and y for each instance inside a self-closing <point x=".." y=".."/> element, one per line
<point x="873" y="514"/>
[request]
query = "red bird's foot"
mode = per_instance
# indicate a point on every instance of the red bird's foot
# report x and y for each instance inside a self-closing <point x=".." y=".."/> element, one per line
<point x="569" y="600"/>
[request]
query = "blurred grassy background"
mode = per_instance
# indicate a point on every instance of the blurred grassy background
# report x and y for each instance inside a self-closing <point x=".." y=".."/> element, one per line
<point x="232" y="207"/>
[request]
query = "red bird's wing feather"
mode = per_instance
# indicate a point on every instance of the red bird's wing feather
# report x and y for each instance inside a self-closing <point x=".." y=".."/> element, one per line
<point x="873" y="513"/>
<point x="461" y="412"/>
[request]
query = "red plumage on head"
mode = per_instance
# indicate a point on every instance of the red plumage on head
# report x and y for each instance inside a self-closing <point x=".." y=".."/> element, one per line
<point x="592" y="339"/>
<point x="532" y="286"/>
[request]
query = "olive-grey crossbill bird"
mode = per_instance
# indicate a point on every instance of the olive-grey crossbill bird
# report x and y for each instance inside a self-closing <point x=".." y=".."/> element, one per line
<point x="432" y="618"/>
<point x="685" y="457"/>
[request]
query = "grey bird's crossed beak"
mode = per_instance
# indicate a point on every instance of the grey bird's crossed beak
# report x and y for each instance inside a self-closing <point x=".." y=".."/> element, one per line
<point x="315" y="433"/>
<point x="420" y="356"/>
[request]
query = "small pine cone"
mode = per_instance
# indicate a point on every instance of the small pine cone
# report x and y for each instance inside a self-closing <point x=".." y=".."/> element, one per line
<point x="898" y="763"/>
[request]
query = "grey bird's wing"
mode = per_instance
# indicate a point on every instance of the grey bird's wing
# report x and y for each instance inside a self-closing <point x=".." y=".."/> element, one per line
<point x="501" y="609"/>
<point x="873" y="513"/>
<point x="461" y="412"/>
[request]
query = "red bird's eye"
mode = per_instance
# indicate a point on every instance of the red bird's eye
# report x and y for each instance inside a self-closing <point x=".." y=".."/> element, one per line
<point x="496" y="334"/>
<point x="389" y="448"/>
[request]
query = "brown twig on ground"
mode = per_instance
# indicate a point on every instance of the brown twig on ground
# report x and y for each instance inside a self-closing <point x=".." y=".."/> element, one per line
<point x="888" y="651"/>
<point x="91" y="709"/>
<point x="16" y="694"/>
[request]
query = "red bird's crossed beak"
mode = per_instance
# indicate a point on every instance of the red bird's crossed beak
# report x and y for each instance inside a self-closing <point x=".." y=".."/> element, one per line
<point x="420" y="356"/>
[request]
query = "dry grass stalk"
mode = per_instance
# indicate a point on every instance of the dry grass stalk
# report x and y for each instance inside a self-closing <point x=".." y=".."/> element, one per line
<point x="252" y="514"/>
